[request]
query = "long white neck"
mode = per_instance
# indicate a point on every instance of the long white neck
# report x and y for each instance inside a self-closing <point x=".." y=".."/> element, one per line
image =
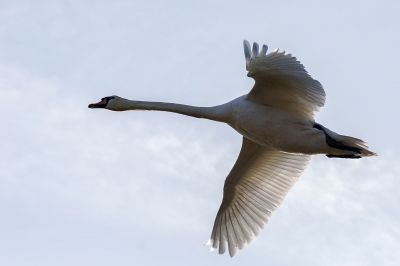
<point x="216" y="113"/>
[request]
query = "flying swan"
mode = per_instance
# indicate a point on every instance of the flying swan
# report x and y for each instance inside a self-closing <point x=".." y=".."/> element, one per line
<point x="279" y="135"/>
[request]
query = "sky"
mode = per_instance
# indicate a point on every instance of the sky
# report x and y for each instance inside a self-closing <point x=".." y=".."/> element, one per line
<point x="93" y="187"/>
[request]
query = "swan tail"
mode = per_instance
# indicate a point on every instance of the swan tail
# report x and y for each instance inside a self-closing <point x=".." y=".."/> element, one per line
<point x="345" y="146"/>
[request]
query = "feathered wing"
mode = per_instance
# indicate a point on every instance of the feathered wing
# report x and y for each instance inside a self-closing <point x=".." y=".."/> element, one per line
<point x="254" y="188"/>
<point x="282" y="81"/>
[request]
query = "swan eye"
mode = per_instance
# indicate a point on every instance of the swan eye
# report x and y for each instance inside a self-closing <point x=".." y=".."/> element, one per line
<point x="107" y="99"/>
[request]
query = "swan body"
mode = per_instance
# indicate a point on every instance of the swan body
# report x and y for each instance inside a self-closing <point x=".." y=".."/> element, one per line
<point x="279" y="135"/>
<point x="269" y="126"/>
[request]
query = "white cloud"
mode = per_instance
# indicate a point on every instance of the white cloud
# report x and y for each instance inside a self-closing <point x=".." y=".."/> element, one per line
<point x="116" y="168"/>
<point x="341" y="212"/>
<point x="95" y="160"/>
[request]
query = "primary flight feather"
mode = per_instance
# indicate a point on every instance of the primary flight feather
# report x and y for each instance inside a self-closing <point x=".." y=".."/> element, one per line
<point x="279" y="135"/>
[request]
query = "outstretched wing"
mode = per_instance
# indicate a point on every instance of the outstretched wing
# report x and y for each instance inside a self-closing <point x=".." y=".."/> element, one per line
<point x="282" y="81"/>
<point x="254" y="188"/>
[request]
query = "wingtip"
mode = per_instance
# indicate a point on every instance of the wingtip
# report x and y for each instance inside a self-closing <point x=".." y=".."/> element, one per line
<point x="264" y="50"/>
<point x="210" y="244"/>
<point x="247" y="50"/>
<point x="232" y="252"/>
<point x="255" y="49"/>
<point x="252" y="51"/>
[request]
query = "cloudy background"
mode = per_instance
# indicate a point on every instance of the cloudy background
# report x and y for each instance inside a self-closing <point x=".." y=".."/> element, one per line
<point x="91" y="187"/>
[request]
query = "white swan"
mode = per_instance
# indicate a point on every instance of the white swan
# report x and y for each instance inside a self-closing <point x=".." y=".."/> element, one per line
<point x="279" y="135"/>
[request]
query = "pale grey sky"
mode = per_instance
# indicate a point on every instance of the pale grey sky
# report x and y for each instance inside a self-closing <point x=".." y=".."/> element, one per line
<point x="91" y="187"/>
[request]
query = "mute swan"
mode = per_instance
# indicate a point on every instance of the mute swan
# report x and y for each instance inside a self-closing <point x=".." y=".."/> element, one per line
<point x="279" y="135"/>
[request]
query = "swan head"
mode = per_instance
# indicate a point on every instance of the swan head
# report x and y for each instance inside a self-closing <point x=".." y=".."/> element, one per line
<point x="113" y="103"/>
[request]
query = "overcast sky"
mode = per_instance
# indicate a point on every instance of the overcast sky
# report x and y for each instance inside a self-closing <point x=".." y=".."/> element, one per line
<point x="92" y="187"/>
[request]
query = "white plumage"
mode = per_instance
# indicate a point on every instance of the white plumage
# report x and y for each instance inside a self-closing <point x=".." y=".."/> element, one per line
<point x="253" y="189"/>
<point x="279" y="135"/>
<point x="283" y="82"/>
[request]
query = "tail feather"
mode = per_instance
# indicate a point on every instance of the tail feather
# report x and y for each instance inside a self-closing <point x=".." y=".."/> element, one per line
<point x="356" y="143"/>
<point x="354" y="147"/>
